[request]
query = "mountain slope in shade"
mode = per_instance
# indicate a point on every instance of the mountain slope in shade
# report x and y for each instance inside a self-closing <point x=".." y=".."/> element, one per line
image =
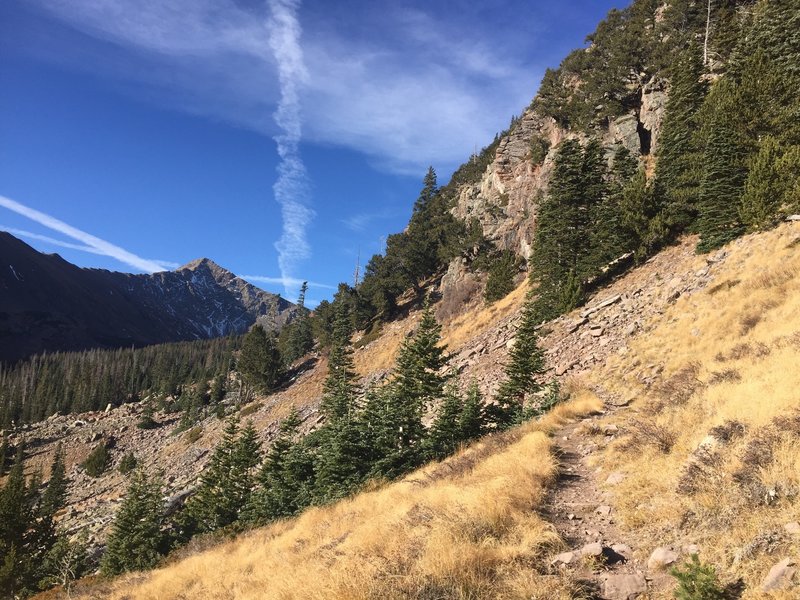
<point x="47" y="303"/>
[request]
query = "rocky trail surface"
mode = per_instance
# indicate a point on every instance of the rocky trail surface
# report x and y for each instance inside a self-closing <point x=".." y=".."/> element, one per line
<point x="601" y="553"/>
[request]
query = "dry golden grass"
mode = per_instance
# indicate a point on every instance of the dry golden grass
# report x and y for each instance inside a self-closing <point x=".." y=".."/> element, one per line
<point x="464" y="528"/>
<point x="731" y="360"/>
<point x="474" y="323"/>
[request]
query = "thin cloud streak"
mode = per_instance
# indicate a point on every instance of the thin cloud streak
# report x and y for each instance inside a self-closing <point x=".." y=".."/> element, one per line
<point x="291" y="188"/>
<point x="62" y="244"/>
<point x="407" y="95"/>
<point x="100" y="246"/>
<point x="290" y="281"/>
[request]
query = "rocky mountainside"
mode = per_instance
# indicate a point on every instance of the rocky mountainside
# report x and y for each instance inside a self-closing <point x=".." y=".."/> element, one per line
<point x="504" y="199"/>
<point x="48" y="304"/>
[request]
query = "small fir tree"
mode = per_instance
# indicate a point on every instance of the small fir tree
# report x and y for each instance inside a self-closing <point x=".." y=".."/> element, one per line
<point x="445" y="434"/>
<point x="525" y="365"/>
<point x="98" y="460"/>
<point x="259" y="360"/>
<point x="136" y="539"/>
<point x="56" y="492"/>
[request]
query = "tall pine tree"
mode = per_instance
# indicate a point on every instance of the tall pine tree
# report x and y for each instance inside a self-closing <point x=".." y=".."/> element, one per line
<point x="680" y="150"/>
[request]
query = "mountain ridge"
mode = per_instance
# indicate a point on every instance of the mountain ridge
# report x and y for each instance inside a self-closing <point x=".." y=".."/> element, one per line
<point x="49" y="304"/>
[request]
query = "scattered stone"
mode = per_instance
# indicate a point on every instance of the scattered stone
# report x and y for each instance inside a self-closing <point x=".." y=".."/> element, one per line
<point x="623" y="549"/>
<point x="575" y="325"/>
<point x="603" y="510"/>
<point x="573" y="517"/>
<point x="792" y="528"/>
<point x="661" y="558"/>
<point x="565" y="558"/>
<point x="793" y="218"/>
<point x="601" y="305"/>
<point x="624" y="586"/>
<point x="596" y="330"/>
<point x="594" y="550"/>
<point x="781" y="576"/>
<point x="79" y="423"/>
<point x="615" y="478"/>
<point x="610" y="429"/>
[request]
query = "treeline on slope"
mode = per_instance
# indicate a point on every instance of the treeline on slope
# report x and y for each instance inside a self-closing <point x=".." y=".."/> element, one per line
<point x="72" y="382"/>
<point x="377" y="433"/>
<point x="34" y="556"/>
<point x="728" y="160"/>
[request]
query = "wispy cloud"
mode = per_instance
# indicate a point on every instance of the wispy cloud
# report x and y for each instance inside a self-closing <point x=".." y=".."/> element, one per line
<point x="62" y="244"/>
<point x="403" y="86"/>
<point x="291" y="188"/>
<point x="97" y="245"/>
<point x="287" y="281"/>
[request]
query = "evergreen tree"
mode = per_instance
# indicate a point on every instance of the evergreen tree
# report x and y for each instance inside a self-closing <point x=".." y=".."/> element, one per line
<point x="297" y="338"/>
<point x="340" y="467"/>
<point x="340" y="389"/>
<point x="259" y="360"/>
<point x="98" y="460"/>
<point x="16" y="520"/>
<point x="136" y="539"/>
<point x="56" y="492"/>
<point x="526" y="363"/>
<point x="608" y="238"/>
<point x="226" y="483"/>
<point x="217" y="392"/>
<point x="641" y="221"/>
<point x="678" y="169"/>
<point x="766" y="190"/>
<point x="445" y="434"/>
<point x="283" y="480"/>
<point x="500" y="282"/>
<point x="418" y="383"/>
<point x="561" y="258"/>
<point x="472" y="421"/>
<point x="724" y="170"/>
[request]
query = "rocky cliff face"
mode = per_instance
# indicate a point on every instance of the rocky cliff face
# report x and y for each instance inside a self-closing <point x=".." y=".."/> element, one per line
<point x="504" y="200"/>
<point x="49" y="304"/>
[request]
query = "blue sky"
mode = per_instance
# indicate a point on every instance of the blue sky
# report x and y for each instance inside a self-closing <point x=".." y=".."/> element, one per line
<point x="278" y="138"/>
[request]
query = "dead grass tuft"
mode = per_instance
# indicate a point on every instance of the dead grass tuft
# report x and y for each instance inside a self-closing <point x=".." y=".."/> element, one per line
<point x="726" y="376"/>
<point x="647" y="433"/>
<point x="678" y="388"/>
<point x="457" y="299"/>
<point x="724" y="285"/>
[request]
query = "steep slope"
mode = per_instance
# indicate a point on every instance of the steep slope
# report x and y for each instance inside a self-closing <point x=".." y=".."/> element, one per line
<point x="470" y="526"/>
<point x="50" y="304"/>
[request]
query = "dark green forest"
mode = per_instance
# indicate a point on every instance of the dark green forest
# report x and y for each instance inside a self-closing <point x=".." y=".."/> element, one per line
<point x="73" y="382"/>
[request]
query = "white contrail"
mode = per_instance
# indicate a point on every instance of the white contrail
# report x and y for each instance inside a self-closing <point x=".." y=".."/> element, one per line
<point x="100" y="246"/>
<point x="291" y="188"/>
<point x="291" y="281"/>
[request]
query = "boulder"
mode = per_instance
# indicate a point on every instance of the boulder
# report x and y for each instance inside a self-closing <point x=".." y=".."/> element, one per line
<point x="615" y="478"/>
<point x="781" y="576"/>
<point x="661" y="558"/>
<point x="792" y="528"/>
<point x="594" y="550"/>
<point x="624" y="586"/>
<point x="565" y="558"/>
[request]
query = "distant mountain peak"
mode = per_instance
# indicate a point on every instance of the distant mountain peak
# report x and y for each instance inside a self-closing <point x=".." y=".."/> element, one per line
<point x="199" y="263"/>
<point x="46" y="303"/>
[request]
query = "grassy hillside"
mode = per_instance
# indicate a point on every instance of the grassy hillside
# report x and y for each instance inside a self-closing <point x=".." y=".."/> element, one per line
<point x="464" y="528"/>
<point x="708" y="445"/>
<point x="711" y="448"/>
